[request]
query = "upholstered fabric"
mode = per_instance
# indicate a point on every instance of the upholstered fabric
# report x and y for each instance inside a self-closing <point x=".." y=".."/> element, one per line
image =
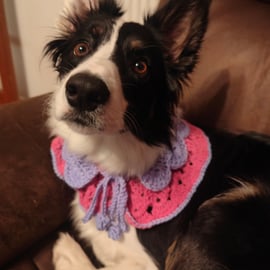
<point x="33" y="204"/>
<point x="230" y="87"/>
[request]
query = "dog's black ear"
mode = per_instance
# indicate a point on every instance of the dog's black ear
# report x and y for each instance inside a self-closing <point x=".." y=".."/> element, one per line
<point x="180" y="25"/>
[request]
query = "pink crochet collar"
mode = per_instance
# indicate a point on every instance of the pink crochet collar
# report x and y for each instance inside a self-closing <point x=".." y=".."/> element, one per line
<point x="160" y="195"/>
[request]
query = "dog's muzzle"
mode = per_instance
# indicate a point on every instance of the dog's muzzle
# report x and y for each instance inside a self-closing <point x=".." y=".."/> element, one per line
<point x="86" y="92"/>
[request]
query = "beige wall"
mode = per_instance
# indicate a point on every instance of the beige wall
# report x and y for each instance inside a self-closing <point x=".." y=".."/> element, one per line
<point x="31" y="24"/>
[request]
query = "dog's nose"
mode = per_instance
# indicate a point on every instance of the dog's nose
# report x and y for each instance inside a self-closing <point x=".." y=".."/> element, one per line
<point x="86" y="92"/>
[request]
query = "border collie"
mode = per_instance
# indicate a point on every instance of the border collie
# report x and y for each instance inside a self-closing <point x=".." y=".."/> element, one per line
<point x="152" y="190"/>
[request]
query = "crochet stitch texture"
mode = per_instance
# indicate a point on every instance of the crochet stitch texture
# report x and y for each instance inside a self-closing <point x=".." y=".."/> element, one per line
<point x="160" y="194"/>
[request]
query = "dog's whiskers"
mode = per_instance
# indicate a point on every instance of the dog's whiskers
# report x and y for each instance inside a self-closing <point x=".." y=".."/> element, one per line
<point x="132" y="122"/>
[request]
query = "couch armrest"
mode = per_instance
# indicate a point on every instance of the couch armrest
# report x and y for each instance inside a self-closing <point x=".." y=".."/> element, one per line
<point x="33" y="202"/>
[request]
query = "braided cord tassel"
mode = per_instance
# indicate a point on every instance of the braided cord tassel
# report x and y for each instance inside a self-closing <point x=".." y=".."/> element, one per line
<point x="103" y="220"/>
<point x="117" y="209"/>
<point x="100" y="187"/>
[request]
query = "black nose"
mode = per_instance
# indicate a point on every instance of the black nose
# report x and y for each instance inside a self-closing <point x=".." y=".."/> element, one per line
<point x="86" y="92"/>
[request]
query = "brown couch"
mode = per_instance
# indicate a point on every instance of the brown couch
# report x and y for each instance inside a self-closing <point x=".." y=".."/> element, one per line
<point x="230" y="89"/>
<point x="34" y="203"/>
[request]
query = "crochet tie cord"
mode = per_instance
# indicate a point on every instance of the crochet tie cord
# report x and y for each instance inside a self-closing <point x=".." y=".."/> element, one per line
<point x="158" y="196"/>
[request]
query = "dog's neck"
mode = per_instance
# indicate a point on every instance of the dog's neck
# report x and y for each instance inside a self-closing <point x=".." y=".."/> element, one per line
<point x="119" y="154"/>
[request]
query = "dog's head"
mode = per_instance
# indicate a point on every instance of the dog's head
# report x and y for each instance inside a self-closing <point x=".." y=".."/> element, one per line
<point x="118" y="76"/>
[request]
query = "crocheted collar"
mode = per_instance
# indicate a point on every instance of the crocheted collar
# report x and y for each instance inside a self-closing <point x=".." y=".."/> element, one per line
<point x="158" y="196"/>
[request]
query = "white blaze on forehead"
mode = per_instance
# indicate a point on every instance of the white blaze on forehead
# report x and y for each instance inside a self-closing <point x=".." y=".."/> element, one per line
<point x="136" y="10"/>
<point x="100" y="63"/>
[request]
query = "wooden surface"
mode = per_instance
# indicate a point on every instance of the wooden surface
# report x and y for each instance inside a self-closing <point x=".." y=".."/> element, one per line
<point x="9" y="91"/>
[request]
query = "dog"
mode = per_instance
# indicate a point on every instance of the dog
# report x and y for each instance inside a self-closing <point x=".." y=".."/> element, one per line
<point x="152" y="190"/>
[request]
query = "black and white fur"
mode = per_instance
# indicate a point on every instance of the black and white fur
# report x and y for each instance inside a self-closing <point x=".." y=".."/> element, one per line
<point x="120" y="85"/>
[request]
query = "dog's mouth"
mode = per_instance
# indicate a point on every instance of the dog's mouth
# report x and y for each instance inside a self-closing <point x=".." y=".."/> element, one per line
<point x="85" y="120"/>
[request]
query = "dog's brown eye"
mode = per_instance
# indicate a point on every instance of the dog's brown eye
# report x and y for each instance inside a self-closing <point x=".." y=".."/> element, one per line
<point x="81" y="49"/>
<point x="140" y="67"/>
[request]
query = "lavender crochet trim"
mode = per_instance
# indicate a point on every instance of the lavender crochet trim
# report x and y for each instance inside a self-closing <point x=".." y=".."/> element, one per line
<point x="79" y="172"/>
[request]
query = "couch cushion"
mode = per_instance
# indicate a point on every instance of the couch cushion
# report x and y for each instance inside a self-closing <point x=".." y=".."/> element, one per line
<point x="34" y="202"/>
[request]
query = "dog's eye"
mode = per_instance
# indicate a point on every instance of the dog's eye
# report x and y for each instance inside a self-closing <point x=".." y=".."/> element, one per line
<point x="81" y="49"/>
<point x="140" y="67"/>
